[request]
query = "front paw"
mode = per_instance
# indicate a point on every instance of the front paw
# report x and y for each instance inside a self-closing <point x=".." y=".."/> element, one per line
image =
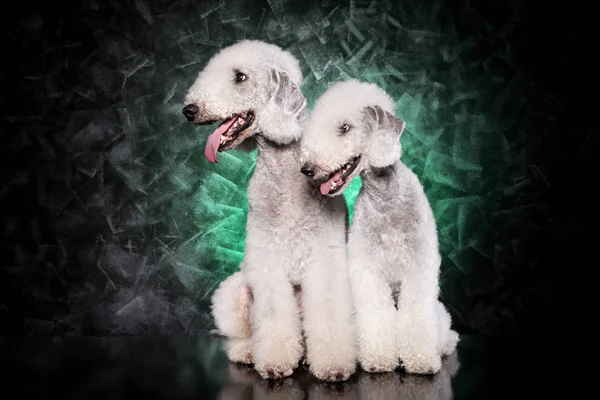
<point x="333" y="373"/>
<point x="332" y="360"/>
<point x="421" y="363"/>
<point x="377" y="353"/>
<point x="277" y="359"/>
<point x="418" y="344"/>
<point x="275" y="370"/>
<point x="239" y="350"/>
<point x="380" y="361"/>
<point x="332" y="365"/>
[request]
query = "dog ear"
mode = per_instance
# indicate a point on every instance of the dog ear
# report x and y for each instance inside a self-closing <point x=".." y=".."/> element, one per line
<point x="286" y="94"/>
<point x="279" y="119"/>
<point x="383" y="136"/>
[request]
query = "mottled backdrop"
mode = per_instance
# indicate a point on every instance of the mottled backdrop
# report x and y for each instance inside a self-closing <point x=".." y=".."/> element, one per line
<point x="113" y="222"/>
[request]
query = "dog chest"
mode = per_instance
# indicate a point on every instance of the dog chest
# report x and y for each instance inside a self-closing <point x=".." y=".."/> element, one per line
<point x="383" y="238"/>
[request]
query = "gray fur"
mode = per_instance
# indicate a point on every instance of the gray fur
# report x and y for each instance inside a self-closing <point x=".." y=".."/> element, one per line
<point x="295" y="236"/>
<point x="392" y="245"/>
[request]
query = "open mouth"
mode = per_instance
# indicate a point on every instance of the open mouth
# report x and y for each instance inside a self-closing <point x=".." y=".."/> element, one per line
<point x="336" y="180"/>
<point x="225" y="136"/>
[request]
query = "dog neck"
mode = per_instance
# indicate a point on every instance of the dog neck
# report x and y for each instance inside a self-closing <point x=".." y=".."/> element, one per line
<point x="382" y="182"/>
<point x="284" y="157"/>
<point x="276" y="154"/>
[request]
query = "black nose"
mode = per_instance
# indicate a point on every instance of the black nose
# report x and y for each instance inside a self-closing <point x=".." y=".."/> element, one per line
<point x="308" y="169"/>
<point x="190" y="111"/>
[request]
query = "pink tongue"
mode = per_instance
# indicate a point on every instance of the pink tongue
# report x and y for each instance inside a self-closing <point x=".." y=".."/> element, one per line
<point x="214" y="140"/>
<point x="326" y="186"/>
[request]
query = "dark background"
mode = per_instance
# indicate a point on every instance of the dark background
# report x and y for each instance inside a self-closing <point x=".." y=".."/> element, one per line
<point x="113" y="223"/>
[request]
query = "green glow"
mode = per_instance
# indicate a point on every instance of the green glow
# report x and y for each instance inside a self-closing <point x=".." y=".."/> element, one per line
<point x="454" y="141"/>
<point x="350" y="194"/>
<point x="222" y="206"/>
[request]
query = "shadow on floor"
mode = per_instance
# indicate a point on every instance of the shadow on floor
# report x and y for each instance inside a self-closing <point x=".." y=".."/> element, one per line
<point x="197" y="368"/>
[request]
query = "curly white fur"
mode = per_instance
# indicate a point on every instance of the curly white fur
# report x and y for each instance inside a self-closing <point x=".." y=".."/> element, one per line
<point x="219" y="96"/>
<point x="296" y="238"/>
<point x="392" y="246"/>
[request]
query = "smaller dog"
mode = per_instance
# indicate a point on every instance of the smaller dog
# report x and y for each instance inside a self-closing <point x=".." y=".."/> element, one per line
<point x="392" y="245"/>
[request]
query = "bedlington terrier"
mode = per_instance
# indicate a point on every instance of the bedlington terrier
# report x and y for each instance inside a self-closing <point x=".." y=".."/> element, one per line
<point x="392" y="246"/>
<point x="296" y="238"/>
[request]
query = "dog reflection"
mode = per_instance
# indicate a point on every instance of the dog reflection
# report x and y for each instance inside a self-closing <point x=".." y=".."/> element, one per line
<point x="245" y="384"/>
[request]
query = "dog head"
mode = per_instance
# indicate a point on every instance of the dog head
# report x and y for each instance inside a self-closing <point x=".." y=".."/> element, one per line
<point x="250" y="87"/>
<point x="352" y="128"/>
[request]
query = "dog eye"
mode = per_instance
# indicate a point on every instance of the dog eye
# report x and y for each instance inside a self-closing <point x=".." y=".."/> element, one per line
<point x="344" y="128"/>
<point x="240" y="77"/>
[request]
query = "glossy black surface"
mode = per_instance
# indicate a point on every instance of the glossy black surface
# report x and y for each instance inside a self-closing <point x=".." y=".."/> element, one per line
<point x="196" y="368"/>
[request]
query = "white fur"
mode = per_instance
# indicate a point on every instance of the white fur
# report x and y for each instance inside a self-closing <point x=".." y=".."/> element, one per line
<point x="393" y="245"/>
<point x="231" y="304"/>
<point x="216" y="91"/>
<point x="295" y="237"/>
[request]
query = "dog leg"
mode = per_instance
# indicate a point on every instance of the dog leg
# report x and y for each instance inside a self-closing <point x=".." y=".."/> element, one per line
<point x="375" y="312"/>
<point x="276" y="333"/>
<point x="327" y="310"/>
<point x="448" y="338"/>
<point x="417" y="322"/>
<point x="239" y="350"/>
<point x="231" y="304"/>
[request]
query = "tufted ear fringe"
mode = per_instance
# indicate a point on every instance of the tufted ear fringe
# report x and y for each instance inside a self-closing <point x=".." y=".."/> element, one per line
<point x="279" y="119"/>
<point x="384" y="144"/>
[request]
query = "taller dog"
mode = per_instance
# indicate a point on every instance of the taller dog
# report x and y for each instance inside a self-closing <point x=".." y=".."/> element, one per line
<point x="296" y="238"/>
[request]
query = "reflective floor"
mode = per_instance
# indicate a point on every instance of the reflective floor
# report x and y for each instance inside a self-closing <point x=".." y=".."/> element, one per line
<point x="196" y="368"/>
